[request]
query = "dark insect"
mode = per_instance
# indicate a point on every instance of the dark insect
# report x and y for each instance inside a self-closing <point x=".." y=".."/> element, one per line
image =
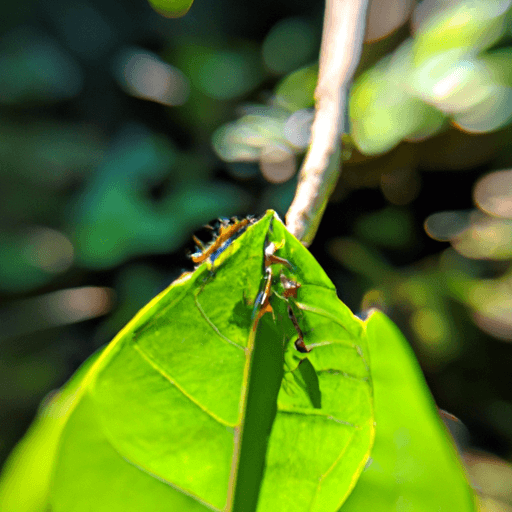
<point x="290" y="288"/>
<point x="229" y="230"/>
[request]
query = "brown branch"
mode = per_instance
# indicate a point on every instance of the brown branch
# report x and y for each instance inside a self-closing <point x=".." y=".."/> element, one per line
<point x="342" y="38"/>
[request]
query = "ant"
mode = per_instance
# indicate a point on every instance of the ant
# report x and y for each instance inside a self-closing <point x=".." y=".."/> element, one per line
<point x="290" y="288"/>
<point x="229" y="230"/>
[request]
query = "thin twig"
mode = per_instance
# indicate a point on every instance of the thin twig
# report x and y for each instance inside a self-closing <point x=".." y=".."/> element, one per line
<point x="342" y="40"/>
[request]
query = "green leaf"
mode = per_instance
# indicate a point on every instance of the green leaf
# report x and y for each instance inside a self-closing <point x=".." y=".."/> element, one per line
<point x="171" y="8"/>
<point x="474" y="25"/>
<point x="328" y="446"/>
<point x="414" y="465"/>
<point x="26" y="476"/>
<point x="296" y="91"/>
<point x="384" y="110"/>
<point x="198" y="404"/>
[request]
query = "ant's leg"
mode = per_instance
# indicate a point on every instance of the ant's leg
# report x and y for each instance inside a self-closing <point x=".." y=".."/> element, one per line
<point x="299" y="344"/>
<point x="263" y="299"/>
<point x="271" y="258"/>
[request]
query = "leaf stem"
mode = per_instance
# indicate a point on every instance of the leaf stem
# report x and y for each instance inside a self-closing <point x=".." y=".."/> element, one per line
<point x="342" y="39"/>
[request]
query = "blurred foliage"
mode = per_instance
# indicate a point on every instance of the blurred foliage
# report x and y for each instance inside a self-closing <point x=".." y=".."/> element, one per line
<point x="171" y="8"/>
<point x="450" y="69"/>
<point x="124" y="131"/>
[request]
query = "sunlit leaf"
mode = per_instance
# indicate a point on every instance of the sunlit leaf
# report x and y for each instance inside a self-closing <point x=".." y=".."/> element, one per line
<point x="383" y="113"/>
<point x="383" y="110"/>
<point x="193" y="408"/>
<point x="296" y="91"/>
<point x="414" y="465"/>
<point x="474" y="24"/>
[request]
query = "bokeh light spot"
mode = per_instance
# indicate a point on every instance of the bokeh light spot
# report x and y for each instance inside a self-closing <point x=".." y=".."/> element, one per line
<point x="277" y="163"/>
<point x="385" y="16"/>
<point x="430" y="327"/>
<point x="146" y="76"/>
<point x="49" y="250"/>
<point x="485" y="238"/>
<point x="493" y="193"/>
<point x="297" y="128"/>
<point x="444" y="226"/>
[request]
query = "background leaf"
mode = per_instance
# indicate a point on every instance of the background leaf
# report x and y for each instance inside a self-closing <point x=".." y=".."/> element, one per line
<point x="414" y="465"/>
<point x="171" y="8"/>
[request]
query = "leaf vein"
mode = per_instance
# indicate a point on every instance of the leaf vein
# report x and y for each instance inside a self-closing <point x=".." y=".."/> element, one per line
<point x="336" y="461"/>
<point x="160" y="478"/>
<point x="166" y="376"/>
<point x="320" y="312"/>
<point x="316" y="412"/>
<point x="333" y="371"/>
<point x="214" y="327"/>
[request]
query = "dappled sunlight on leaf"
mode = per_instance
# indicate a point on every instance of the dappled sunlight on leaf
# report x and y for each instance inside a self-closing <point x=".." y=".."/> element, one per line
<point x="185" y="365"/>
<point x="490" y="114"/>
<point x="266" y="136"/>
<point x="244" y="139"/>
<point x="442" y="25"/>
<point x="453" y="81"/>
<point x="383" y="111"/>
<point x="435" y="74"/>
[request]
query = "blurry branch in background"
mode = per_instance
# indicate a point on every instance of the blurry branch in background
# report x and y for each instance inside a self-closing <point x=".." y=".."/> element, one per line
<point x="342" y="39"/>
